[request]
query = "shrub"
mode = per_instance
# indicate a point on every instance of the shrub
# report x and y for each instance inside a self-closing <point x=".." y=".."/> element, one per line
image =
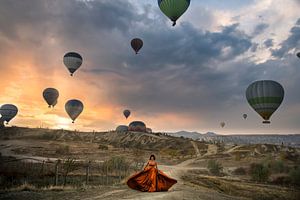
<point x="103" y="147"/>
<point x="63" y="150"/>
<point x="277" y="166"/>
<point x="259" y="172"/>
<point x="214" y="167"/>
<point x="239" y="171"/>
<point x="295" y="176"/>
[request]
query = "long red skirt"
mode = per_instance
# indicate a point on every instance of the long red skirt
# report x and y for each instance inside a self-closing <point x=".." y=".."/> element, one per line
<point x="150" y="180"/>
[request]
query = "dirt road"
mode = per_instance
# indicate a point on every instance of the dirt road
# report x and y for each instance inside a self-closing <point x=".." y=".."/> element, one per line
<point x="179" y="191"/>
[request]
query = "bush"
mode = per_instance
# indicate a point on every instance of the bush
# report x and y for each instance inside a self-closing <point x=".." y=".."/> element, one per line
<point x="259" y="172"/>
<point x="214" y="167"/>
<point x="63" y="150"/>
<point x="295" y="176"/>
<point x="239" y="171"/>
<point x="103" y="147"/>
<point x="277" y="166"/>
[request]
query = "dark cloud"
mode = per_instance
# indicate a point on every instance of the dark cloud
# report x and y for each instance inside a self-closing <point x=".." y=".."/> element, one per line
<point x="259" y="29"/>
<point x="292" y="42"/>
<point x="268" y="43"/>
<point x="179" y="70"/>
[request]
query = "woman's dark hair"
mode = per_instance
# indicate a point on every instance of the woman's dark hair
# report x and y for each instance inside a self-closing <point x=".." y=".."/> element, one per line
<point x="152" y="156"/>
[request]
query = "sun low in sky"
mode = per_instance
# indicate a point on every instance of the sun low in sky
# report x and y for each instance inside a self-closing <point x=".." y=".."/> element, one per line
<point x="191" y="76"/>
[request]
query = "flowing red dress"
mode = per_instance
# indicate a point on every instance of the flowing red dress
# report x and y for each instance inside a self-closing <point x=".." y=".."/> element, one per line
<point x="150" y="179"/>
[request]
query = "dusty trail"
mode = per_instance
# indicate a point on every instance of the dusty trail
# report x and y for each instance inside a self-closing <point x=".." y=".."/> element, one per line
<point x="179" y="191"/>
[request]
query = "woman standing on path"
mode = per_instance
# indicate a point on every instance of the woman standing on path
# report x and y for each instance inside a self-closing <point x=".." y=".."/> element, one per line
<point x="151" y="179"/>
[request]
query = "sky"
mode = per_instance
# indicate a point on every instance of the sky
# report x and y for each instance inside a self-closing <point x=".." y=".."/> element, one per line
<point x="188" y="77"/>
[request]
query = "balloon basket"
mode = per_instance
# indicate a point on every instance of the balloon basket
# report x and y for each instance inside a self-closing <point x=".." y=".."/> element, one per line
<point x="266" y="122"/>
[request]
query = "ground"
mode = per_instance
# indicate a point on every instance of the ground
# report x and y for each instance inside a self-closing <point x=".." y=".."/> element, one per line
<point x="190" y="170"/>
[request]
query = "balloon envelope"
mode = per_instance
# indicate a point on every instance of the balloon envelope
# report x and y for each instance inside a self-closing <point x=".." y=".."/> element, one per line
<point x="136" y="44"/>
<point x="72" y="61"/>
<point x="245" y="116"/>
<point x="126" y="113"/>
<point x="74" y="108"/>
<point x="50" y="95"/>
<point x="173" y="9"/>
<point x="222" y="124"/>
<point x="8" y="112"/>
<point x="298" y="54"/>
<point x="265" y="97"/>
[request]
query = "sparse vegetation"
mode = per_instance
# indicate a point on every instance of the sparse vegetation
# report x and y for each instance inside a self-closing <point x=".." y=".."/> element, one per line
<point x="295" y="176"/>
<point x="63" y="150"/>
<point x="240" y="171"/>
<point x="114" y="157"/>
<point x="103" y="147"/>
<point x="259" y="172"/>
<point x="277" y="166"/>
<point x="215" y="167"/>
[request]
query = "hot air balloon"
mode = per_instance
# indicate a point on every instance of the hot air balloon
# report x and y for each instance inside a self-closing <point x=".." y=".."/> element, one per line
<point x="265" y="97"/>
<point x="74" y="108"/>
<point x="50" y="95"/>
<point x="245" y="116"/>
<point x="136" y="44"/>
<point x="222" y="124"/>
<point x="54" y="104"/>
<point x="126" y="113"/>
<point x="173" y="9"/>
<point x="1" y="123"/>
<point x="298" y="54"/>
<point x="72" y="61"/>
<point x="8" y="112"/>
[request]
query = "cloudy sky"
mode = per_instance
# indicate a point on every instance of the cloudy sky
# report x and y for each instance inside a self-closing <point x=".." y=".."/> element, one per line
<point x="188" y="77"/>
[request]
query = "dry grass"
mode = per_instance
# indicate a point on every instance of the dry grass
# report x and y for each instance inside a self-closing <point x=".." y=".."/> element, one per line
<point x="242" y="188"/>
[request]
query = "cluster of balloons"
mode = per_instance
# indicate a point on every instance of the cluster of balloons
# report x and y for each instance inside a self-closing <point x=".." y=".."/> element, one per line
<point x="74" y="107"/>
<point x="264" y="96"/>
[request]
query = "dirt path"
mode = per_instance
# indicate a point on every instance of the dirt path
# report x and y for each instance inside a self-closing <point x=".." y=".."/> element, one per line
<point x="212" y="149"/>
<point x="179" y="191"/>
<point x="196" y="149"/>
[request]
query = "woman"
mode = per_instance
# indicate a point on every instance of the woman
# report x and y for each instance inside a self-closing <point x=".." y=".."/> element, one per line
<point x="151" y="179"/>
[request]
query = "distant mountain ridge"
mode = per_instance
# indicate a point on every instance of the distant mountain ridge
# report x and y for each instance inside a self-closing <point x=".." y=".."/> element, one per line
<point x="291" y="140"/>
<point x="193" y="135"/>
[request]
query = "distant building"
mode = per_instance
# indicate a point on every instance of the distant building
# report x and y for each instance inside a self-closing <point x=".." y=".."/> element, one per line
<point x="137" y="126"/>
<point x="122" y="129"/>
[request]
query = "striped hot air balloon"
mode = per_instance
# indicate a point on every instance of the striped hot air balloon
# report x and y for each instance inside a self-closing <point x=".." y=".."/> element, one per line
<point x="8" y="112"/>
<point x="74" y="108"/>
<point x="50" y="95"/>
<point x="72" y="61"/>
<point x="173" y="9"/>
<point x="265" y="97"/>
